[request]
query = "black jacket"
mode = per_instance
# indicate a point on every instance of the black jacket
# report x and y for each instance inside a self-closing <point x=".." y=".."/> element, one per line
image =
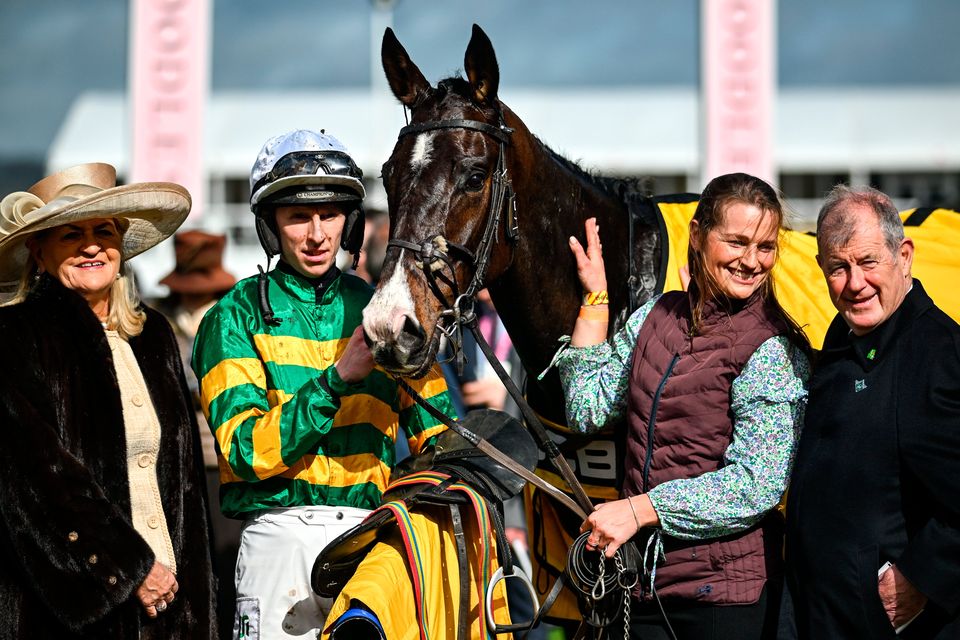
<point x="877" y="476"/>
<point x="70" y="559"/>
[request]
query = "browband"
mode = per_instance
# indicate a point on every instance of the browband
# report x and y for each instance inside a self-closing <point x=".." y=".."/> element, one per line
<point x="501" y="133"/>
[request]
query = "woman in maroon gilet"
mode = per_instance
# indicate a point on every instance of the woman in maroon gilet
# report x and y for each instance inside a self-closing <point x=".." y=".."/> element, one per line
<point x="711" y="383"/>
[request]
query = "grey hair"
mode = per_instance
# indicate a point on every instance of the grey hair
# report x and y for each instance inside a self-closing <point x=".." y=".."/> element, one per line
<point x="835" y="226"/>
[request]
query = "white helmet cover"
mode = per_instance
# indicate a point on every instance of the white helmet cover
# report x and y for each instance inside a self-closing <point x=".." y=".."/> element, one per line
<point x="304" y="158"/>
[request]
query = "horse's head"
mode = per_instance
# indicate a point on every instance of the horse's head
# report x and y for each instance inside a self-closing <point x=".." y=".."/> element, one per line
<point x="448" y="205"/>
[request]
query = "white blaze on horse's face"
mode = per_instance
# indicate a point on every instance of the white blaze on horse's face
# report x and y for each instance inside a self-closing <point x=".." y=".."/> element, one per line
<point x="388" y="310"/>
<point x="422" y="148"/>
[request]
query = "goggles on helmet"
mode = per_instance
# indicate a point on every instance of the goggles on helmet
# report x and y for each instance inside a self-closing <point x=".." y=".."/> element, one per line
<point x="310" y="169"/>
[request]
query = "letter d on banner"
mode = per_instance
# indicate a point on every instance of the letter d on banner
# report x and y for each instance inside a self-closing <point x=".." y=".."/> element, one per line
<point x="169" y="70"/>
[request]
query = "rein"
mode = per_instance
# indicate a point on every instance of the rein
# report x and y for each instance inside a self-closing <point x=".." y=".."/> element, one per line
<point x="488" y="449"/>
<point x="433" y="258"/>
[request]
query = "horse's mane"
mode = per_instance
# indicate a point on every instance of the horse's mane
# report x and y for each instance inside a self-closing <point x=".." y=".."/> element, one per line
<point x="616" y="187"/>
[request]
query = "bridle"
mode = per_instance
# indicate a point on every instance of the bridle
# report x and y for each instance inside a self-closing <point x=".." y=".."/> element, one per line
<point x="433" y="254"/>
<point x="433" y="258"/>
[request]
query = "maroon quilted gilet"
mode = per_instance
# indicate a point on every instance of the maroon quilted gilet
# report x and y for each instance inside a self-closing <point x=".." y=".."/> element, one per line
<point x="679" y="399"/>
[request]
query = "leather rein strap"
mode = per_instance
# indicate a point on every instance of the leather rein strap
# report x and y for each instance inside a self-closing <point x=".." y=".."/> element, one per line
<point x="548" y="446"/>
<point x="490" y="450"/>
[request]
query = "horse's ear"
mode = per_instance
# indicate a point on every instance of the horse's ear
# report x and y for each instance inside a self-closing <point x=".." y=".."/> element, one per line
<point x="481" y="64"/>
<point x="406" y="80"/>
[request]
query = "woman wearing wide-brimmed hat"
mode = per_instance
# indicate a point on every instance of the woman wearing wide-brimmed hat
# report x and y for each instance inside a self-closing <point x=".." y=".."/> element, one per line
<point x="103" y="524"/>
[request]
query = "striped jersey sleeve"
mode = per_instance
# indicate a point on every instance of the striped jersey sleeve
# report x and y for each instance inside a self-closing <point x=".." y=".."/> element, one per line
<point x="289" y="430"/>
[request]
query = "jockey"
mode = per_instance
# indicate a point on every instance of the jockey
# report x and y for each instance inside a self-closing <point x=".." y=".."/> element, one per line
<point x="305" y="425"/>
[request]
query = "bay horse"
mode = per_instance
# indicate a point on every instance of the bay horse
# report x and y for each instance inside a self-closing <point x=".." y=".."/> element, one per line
<point x="476" y="200"/>
<point x="439" y="183"/>
<point x="467" y="180"/>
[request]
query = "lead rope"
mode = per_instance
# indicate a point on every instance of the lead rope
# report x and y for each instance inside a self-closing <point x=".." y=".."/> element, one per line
<point x="597" y="579"/>
<point x="491" y="451"/>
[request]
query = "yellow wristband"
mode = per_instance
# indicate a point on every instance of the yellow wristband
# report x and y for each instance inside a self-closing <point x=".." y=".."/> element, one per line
<point x="594" y="313"/>
<point x="595" y="297"/>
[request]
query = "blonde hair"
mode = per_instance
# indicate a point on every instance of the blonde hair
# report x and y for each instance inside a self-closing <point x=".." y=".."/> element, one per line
<point x="126" y="316"/>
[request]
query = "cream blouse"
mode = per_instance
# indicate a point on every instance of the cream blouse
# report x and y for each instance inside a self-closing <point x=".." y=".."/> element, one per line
<point x="143" y="447"/>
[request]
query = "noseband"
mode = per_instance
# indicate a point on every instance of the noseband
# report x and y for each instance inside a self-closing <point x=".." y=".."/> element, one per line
<point x="433" y="254"/>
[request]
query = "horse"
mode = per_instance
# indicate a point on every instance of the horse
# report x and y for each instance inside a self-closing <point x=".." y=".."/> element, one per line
<point x="476" y="200"/>
<point x="439" y="184"/>
<point x="442" y="185"/>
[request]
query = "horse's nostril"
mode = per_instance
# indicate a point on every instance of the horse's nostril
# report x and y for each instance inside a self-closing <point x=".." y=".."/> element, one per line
<point x="411" y="337"/>
<point x="410" y="326"/>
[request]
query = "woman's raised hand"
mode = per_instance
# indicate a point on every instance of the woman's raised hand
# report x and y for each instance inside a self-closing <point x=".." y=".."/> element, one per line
<point x="590" y="262"/>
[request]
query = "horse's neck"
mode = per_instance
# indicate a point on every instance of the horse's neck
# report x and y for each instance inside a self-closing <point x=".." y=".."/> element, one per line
<point x="538" y="297"/>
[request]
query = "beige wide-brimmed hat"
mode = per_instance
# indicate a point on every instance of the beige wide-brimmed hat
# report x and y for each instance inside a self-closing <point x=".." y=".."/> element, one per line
<point x="149" y="211"/>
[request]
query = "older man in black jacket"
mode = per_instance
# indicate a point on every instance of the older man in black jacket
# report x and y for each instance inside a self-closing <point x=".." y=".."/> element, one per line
<point x="874" y="509"/>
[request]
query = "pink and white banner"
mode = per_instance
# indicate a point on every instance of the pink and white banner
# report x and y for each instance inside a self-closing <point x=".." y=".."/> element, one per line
<point x="739" y="54"/>
<point x="169" y="66"/>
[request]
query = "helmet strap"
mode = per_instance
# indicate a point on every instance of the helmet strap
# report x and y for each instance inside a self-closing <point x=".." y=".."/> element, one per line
<point x="266" y="225"/>
<point x="263" y="295"/>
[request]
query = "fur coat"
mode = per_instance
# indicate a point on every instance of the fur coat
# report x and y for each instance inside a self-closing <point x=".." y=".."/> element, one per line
<point x="70" y="559"/>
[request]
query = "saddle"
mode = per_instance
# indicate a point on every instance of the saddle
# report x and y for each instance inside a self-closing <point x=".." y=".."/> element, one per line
<point x="454" y="474"/>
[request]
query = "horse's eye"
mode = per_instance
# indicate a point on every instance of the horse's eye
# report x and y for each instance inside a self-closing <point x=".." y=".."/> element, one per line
<point x="475" y="181"/>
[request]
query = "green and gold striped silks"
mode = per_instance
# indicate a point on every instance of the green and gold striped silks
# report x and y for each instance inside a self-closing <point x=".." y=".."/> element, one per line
<point x="283" y="438"/>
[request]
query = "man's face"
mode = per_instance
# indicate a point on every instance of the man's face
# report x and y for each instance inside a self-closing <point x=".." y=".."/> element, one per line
<point x="867" y="282"/>
<point x="310" y="236"/>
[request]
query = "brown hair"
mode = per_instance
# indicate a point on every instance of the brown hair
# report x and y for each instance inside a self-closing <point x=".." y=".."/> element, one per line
<point x="720" y="193"/>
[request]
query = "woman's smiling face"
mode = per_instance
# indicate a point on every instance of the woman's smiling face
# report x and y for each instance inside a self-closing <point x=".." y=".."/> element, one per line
<point x="739" y="252"/>
<point x="85" y="256"/>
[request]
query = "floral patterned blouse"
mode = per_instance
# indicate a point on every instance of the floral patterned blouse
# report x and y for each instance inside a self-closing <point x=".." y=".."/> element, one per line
<point x="767" y="399"/>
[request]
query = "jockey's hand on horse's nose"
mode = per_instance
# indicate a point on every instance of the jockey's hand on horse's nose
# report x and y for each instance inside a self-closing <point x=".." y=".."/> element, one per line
<point x="357" y="361"/>
<point x="590" y="262"/>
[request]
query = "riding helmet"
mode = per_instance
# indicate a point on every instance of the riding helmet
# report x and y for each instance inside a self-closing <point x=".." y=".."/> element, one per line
<point x="306" y="167"/>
